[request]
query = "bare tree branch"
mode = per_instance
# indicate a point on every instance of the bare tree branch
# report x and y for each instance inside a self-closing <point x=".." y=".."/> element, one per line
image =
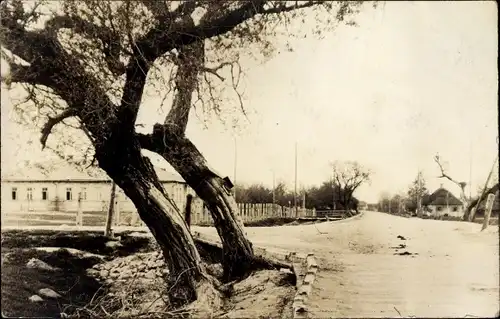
<point x="444" y="175"/>
<point x="52" y="121"/>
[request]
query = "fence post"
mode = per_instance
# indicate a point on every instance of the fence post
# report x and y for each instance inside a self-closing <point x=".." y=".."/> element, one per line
<point x="487" y="209"/>
<point x="187" y="214"/>
<point x="79" y="213"/>
<point x="117" y="211"/>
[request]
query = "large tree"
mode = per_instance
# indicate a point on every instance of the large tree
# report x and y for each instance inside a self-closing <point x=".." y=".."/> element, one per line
<point x="90" y="63"/>
<point x="348" y="176"/>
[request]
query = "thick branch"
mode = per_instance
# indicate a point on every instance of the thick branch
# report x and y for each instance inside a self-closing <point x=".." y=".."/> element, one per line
<point x="25" y="74"/>
<point x="190" y="62"/>
<point x="25" y="44"/>
<point x="110" y="39"/>
<point x="159" y="10"/>
<point x="281" y="6"/>
<point x="52" y="121"/>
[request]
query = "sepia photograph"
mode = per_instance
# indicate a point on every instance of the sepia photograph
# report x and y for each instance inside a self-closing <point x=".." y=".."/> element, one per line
<point x="249" y="159"/>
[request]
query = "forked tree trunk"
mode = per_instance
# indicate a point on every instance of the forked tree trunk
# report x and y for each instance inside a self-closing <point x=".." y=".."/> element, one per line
<point x="191" y="165"/>
<point x="136" y="177"/>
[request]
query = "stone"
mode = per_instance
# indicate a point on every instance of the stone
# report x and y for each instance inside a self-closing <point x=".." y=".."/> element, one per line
<point x="47" y="292"/>
<point x="113" y="244"/>
<point x="103" y="273"/>
<point x="35" y="298"/>
<point x="150" y="275"/>
<point x="38" y="264"/>
<point x="126" y="274"/>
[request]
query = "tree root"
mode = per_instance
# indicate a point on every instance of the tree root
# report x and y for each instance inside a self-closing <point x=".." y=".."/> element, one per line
<point x="209" y="298"/>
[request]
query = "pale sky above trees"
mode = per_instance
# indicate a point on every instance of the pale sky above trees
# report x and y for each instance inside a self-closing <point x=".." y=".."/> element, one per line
<point x="411" y="80"/>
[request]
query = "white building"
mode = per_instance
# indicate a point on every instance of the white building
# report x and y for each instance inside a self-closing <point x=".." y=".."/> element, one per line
<point x="58" y="191"/>
<point x="444" y="203"/>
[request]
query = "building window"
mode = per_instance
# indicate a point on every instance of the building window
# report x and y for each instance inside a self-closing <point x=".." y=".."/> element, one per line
<point x="439" y="209"/>
<point x="14" y="193"/>
<point x="29" y="194"/>
<point x="455" y="209"/>
<point x="69" y="195"/>
<point x="44" y="193"/>
<point x="84" y="193"/>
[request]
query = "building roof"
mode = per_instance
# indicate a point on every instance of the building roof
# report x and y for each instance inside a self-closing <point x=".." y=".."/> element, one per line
<point x="66" y="172"/>
<point x="442" y="197"/>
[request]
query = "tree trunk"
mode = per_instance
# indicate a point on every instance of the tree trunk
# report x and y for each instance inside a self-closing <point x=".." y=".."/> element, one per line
<point x="136" y="177"/>
<point x="476" y="202"/>
<point x="109" y="218"/>
<point x="192" y="166"/>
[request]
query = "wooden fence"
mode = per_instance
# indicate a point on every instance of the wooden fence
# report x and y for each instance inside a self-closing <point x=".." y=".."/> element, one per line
<point x="200" y="215"/>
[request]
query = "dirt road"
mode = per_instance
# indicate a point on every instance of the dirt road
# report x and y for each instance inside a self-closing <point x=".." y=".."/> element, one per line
<point x="448" y="269"/>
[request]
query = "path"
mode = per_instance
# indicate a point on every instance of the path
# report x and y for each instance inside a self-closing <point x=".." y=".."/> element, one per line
<point x="455" y="273"/>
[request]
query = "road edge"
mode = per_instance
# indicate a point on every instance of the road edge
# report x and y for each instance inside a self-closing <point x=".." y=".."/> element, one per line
<point x="304" y="267"/>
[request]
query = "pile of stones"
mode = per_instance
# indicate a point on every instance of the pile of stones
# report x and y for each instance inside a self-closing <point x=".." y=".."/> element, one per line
<point x="144" y="266"/>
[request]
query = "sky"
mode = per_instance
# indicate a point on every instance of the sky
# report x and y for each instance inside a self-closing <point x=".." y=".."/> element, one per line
<point x="413" y="79"/>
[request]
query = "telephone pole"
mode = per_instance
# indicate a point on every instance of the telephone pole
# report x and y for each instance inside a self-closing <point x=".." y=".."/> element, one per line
<point x="234" y="173"/>
<point x="295" y="189"/>
<point x="274" y="188"/>
<point x="470" y="170"/>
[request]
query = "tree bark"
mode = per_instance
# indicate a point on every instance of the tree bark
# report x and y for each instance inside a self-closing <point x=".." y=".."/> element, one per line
<point x="239" y="259"/>
<point x="135" y="175"/>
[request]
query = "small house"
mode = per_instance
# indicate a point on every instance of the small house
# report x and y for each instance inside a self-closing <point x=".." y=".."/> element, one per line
<point x="443" y="203"/>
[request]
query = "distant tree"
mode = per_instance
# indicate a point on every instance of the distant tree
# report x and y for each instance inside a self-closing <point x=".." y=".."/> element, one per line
<point x="397" y="204"/>
<point x="349" y="176"/>
<point x="384" y="202"/>
<point x="254" y="193"/>
<point x="417" y="191"/>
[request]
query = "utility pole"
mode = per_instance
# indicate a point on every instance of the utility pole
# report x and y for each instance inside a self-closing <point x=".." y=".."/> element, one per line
<point x="333" y="192"/>
<point x="419" y="195"/>
<point x="470" y="170"/>
<point x="234" y="173"/>
<point x="295" y="189"/>
<point x="274" y="188"/>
